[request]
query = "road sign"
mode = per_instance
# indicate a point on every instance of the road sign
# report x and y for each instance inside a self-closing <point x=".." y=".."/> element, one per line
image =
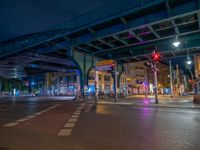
<point x="104" y="68"/>
<point x="105" y="65"/>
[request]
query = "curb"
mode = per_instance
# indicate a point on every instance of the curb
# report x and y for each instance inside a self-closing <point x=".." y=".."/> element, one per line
<point x="149" y="105"/>
<point x="167" y="106"/>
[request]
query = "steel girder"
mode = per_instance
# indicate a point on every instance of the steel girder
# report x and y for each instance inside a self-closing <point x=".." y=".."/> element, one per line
<point x="129" y="35"/>
<point x="150" y="18"/>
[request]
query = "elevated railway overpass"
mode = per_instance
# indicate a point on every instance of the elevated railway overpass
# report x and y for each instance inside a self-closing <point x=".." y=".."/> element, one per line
<point x="125" y="31"/>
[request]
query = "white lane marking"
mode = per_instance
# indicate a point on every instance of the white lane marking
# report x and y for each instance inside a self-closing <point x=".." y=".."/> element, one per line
<point x="39" y="113"/>
<point x="43" y="111"/>
<point x="72" y="120"/>
<point x="31" y="116"/>
<point x="69" y="125"/>
<point x="50" y="108"/>
<point x="54" y="106"/>
<point x="28" y="117"/>
<point x="74" y="116"/>
<point x="22" y="120"/>
<point x="65" y="132"/>
<point x="76" y="113"/>
<point x="12" y="124"/>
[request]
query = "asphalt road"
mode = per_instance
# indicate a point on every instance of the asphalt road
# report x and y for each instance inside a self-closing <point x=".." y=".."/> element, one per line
<point x="68" y="125"/>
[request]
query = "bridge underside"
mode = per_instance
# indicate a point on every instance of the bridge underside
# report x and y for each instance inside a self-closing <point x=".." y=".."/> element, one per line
<point x="128" y="32"/>
<point x="29" y="63"/>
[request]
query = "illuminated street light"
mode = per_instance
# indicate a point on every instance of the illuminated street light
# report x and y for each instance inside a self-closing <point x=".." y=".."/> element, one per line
<point x="176" y="43"/>
<point x="188" y="66"/>
<point x="189" y="62"/>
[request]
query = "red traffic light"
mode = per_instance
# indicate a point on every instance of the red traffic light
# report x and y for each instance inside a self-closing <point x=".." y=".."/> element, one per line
<point x="155" y="56"/>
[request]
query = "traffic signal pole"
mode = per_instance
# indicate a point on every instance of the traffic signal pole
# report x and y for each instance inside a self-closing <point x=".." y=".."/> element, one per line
<point x="156" y="58"/>
<point x="155" y="83"/>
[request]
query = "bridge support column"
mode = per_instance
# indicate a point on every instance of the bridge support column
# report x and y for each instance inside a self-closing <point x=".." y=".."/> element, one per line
<point x="84" y="63"/>
<point x="120" y="69"/>
<point x="115" y="82"/>
<point x="116" y="75"/>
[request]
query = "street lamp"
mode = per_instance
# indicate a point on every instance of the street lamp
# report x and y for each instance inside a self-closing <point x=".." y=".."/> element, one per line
<point x="176" y="43"/>
<point x="188" y="66"/>
<point x="189" y="62"/>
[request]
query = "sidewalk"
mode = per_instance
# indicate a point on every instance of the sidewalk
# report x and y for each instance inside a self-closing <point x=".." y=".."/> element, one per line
<point x="164" y="101"/>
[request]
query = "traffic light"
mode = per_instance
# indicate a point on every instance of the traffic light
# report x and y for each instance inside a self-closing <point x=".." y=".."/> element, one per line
<point x="155" y="56"/>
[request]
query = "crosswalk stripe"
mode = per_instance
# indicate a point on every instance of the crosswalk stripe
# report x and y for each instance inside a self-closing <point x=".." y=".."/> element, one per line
<point x="74" y="116"/>
<point x="69" y="125"/>
<point x="65" y="132"/>
<point x="72" y="120"/>
<point x="75" y="113"/>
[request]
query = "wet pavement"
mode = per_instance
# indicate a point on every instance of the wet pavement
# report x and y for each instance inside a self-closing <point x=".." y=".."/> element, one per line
<point x="79" y="125"/>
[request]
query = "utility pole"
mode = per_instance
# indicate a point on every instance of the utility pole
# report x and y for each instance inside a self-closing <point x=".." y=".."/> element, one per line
<point x="171" y="83"/>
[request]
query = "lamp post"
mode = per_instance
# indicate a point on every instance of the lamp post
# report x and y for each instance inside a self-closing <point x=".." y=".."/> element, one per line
<point x="171" y="83"/>
<point x="176" y="43"/>
<point x="188" y="66"/>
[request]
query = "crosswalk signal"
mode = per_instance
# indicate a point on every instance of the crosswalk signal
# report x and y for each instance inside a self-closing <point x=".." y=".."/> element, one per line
<point x="155" y="56"/>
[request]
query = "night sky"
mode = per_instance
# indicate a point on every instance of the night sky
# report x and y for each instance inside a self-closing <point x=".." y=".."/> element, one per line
<point x="19" y="17"/>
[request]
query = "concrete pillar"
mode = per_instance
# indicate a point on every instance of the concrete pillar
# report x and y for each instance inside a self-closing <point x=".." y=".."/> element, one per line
<point x="171" y="82"/>
<point x="115" y="82"/>
<point x="58" y="85"/>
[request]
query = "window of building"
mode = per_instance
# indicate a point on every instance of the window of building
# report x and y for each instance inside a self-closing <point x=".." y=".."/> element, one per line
<point x="100" y="77"/>
<point x="91" y="76"/>
<point x="106" y="78"/>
